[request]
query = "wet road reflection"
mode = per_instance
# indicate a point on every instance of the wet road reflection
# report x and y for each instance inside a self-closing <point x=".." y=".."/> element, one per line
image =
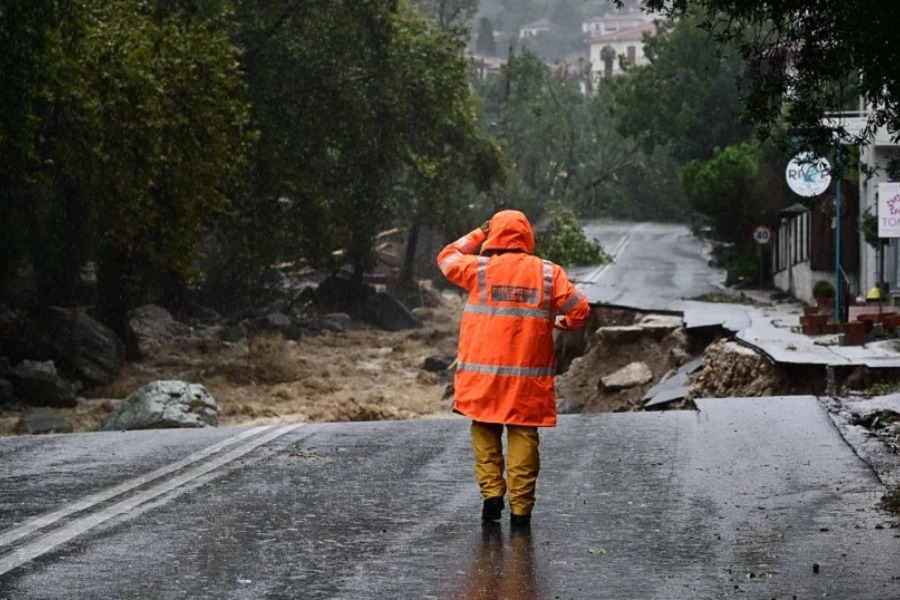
<point x="502" y="567"/>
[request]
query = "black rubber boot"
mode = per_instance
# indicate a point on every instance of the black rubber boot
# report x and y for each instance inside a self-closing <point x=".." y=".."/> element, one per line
<point x="519" y="520"/>
<point x="492" y="509"/>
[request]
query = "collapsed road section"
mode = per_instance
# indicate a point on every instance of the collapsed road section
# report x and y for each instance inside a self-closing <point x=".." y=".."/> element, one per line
<point x="631" y="359"/>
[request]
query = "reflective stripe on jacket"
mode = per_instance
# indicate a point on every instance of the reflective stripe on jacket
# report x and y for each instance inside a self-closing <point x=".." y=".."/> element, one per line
<point x="506" y="359"/>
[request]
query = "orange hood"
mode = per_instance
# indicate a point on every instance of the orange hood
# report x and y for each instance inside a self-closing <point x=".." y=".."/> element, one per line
<point x="510" y="230"/>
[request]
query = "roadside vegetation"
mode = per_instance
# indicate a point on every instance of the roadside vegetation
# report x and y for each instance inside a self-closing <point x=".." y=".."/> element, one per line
<point x="891" y="502"/>
<point x="177" y="152"/>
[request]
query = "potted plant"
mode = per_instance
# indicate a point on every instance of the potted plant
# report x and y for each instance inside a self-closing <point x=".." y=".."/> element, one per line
<point x="823" y="292"/>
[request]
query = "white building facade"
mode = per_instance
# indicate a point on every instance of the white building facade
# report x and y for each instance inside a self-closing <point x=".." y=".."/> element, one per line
<point x="878" y="153"/>
<point x="609" y="51"/>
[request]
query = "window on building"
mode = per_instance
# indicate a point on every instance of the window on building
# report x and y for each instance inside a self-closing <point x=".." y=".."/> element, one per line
<point x="631" y="54"/>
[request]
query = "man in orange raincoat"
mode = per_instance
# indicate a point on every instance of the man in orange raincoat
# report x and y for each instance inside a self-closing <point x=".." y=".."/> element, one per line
<point x="506" y="359"/>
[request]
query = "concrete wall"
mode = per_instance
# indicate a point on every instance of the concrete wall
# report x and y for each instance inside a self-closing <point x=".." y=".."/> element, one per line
<point x="798" y="280"/>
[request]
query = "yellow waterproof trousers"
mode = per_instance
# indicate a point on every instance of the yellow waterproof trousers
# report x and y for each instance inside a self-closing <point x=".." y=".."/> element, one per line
<point x="523" y="463"/>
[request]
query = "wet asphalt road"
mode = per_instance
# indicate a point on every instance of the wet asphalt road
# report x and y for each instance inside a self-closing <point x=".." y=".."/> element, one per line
<point x="657" y="266"/>
<point x="747" y="498"/>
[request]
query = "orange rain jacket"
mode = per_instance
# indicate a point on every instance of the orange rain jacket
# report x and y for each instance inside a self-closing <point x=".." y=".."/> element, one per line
<point x="507" y="359"/>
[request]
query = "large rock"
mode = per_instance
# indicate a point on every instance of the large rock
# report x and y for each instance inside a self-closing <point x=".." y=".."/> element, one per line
<point x="234" y="333"/>
<point x="629" y="376"/>
<point x="386" y="312"/>
<point x="164" y="405"/>
<point x="278" y="322"/>
<point x="37" y="384"/>
<point x="149" y="327"/>
<point x="660" y="326"/>
<point x="619" y="334"/>
<point x="438" y="362"/>
<point x="7" y="394"/>
<point x="82" y="348"/>
<point x="339" y="293"/>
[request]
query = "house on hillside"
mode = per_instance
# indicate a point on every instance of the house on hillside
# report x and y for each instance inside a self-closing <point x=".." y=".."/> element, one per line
<point x="605" y="24"/>
<point x="609" y="51"/>
<point x="536" y="28"/>
<point x="484" y="67"/>
<point x="576" y="68"/>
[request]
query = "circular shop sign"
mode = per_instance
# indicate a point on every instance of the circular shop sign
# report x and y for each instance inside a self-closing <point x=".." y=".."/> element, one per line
<point x="808" y="175"/>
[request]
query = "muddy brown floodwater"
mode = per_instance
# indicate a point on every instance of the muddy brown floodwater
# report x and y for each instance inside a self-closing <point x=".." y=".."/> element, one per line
<point x="356" y="375"/>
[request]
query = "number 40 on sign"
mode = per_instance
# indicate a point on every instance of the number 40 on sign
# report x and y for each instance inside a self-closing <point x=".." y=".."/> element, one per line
<point x="762" y="235"/>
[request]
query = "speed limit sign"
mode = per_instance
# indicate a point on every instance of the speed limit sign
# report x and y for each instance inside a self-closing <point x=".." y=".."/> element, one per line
<point x="762" y="235"/>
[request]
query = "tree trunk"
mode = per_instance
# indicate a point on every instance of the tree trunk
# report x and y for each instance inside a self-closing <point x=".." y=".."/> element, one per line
<point x="408" y="271"/>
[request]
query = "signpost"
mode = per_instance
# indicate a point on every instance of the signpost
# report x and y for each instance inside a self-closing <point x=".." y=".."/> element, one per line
<point x="762" y="236"/>
<point x="809" y="175"/>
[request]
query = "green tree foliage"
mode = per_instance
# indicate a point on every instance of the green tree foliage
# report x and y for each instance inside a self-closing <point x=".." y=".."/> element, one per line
<point x="718" y="189"/>
<point x="450" y="15"/>
<point x="810" y="56"/>
<point x="27" y="33"/>
<point x="318" y="182"/>
<point x="739" y="188"/>
<point x="134" y="133"/>
<point x="565" y="146"/>
<point x="561" y="239"/>
<point x="687" y="97"/>
<point x="446" y="160"/>
<point x="485" y="44"/>
<point x="363" y="110"/>
<point x="140" y="124"/>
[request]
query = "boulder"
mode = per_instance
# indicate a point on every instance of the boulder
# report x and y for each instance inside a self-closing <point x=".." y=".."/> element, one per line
<point x="164" y="405"/>
<point x="42" y="422"/>
<point x="342" y="319"/>
<point x="43" y="366"/>
<point x="335" y="322"/>
<point x="7" y="394"/>
<point x="438" y="362"/>
<point x="629" y="376"/>
<point x="234" y="333"/>
<point x="37" y="384"/>
<point x="82" y="348"/>
<point x="341" y="294"/>
<point x="386" y="312"/>
<point x="660" y="326"/>
<point x="150" y="326"/>
<point x="280" y="322"/>
<point x="206" y="316"/>
<point x="619" y="334"/>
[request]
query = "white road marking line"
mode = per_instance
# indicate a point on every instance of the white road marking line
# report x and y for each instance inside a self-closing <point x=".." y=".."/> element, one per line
<point x="48" y="519"/>
<point x="599" y="271"/>
<point x="44" y="544"/>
